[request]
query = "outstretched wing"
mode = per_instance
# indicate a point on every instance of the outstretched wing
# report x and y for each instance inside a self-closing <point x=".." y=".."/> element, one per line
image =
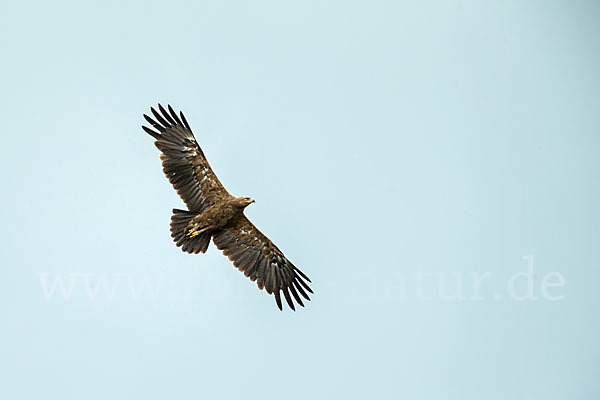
<point x="183" y="161"/>
<point x="260" y="260"/>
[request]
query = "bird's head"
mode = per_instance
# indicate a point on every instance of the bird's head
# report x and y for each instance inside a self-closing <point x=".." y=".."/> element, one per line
<point x="244" y="201"/>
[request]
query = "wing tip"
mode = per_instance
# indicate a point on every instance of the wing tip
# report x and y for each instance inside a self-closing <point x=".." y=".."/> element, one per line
<point x="278" y="300"/>
<point x="152" y="133"/>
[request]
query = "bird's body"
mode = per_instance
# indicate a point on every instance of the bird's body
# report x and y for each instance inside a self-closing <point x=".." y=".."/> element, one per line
<point x="214" y="213"/>
<point x="217" y="216"/>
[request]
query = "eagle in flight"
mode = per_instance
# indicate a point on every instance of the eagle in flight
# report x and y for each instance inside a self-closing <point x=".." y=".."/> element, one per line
<point x="214" y="213"/>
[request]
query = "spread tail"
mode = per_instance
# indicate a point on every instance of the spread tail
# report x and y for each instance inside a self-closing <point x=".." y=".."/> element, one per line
<point x="179" y="222"/>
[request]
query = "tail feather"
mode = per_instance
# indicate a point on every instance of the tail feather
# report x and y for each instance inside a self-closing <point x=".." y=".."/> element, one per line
<point x="179" y="221"/>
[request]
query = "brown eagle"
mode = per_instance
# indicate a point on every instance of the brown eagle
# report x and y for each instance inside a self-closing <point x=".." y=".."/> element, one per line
<point x="214" y="213"/>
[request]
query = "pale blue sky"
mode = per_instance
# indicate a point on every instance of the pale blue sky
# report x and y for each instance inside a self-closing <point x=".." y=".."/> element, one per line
<point x="394" y="150"/>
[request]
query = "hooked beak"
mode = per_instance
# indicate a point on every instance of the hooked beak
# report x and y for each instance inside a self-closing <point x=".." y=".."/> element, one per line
<point x="250" y="201"/>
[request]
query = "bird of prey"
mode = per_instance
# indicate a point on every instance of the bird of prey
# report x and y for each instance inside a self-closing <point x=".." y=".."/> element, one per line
<point x="214" y="213"/>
